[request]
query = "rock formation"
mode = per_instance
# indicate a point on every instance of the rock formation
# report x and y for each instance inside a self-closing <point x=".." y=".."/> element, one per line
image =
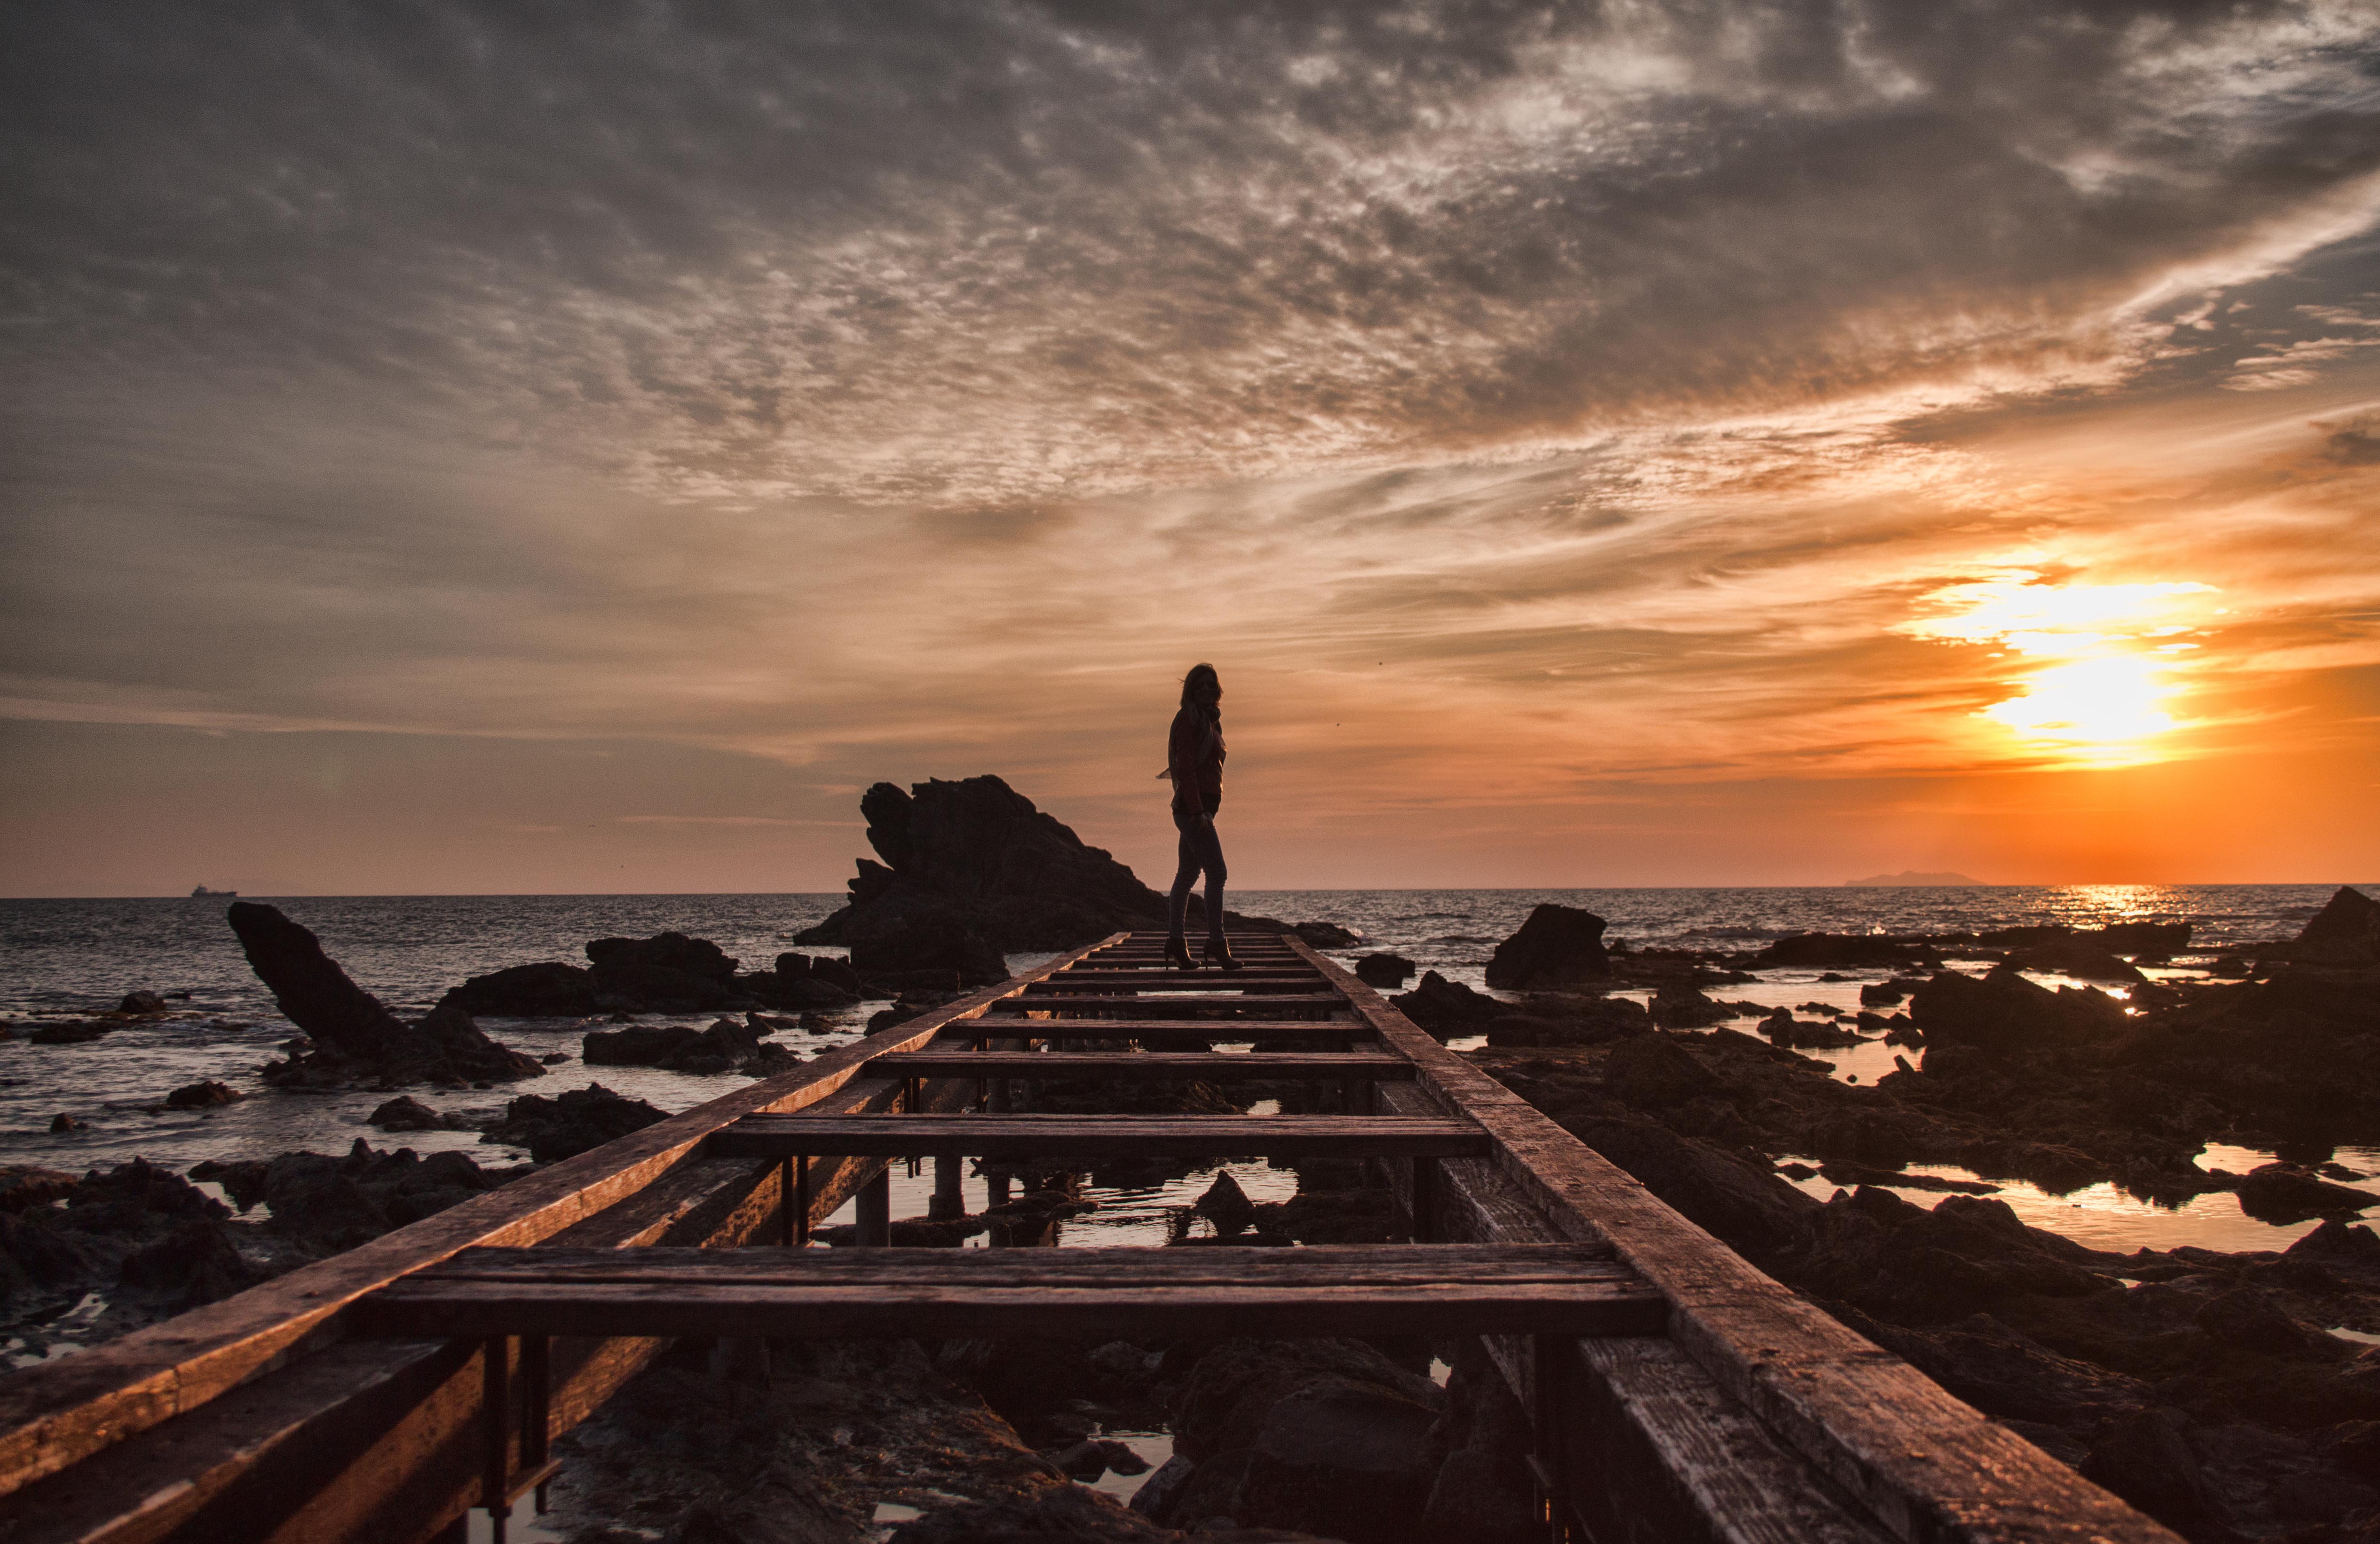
<point x="357" y="1038"/>
<point x="972" y="871"/>
<point x="2346" y="932"/>
<point x="1558" y="946"/>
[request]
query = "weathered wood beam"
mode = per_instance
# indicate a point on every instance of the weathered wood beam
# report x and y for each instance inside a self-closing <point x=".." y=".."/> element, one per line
<point x="1927" y="1467"/>
<point x="1094" y="1137"/>
<point x="1144" y="1065"/>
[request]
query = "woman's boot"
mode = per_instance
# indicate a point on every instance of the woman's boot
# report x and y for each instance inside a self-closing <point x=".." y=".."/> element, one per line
<point x="1177" y="953"/>
<point x="1220" y="953"/>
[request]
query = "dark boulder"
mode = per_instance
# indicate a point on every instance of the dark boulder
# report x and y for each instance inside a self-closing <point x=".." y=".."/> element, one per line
<point x="64" y="1121"/>
<point x="355" y="1033"/>
<point x="1677" y="1005"/>
<point x="2079" y="957"/>
<point x="722" y="1047"/>
<point x="405" y="1114"/>
<point x="79" y="1031"/>
<point x="1577" y="1021"/>
<point x="316" y="1199"/>
<point x="666" y="974"/>
<point x="2288" y="1193"/>
<point x="1447" y="1009"/>
<point x="1833" y="951"/>
<point x="141" y="1002"/>
<point x="2150" y="939"/>
<point x="1654" y="1070"/>
<point x="2345" y="931"/>
<point x="25" y="1184"/>
<point x="194" y="1264"/>
<point x="800" y="982"/>
<point x="546" y="990"/>
<point x="2006" y="1012"/>
<point x="2144" y="1459"/>
<point x="203" y="1096"/>
<point x="1558" y="945"/>
<point x="1328" y="935"/>
<point x="1384" y="970"/>
<point x="1226" y="1205"/>
<point x="570" y="1123"/>
<point x="1352" y="1464"/>
<point x="925" y="938"/>
<point x="975" y="856"/>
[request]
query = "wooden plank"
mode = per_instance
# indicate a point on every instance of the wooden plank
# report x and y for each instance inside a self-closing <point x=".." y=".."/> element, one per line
<point x="1926" y="1465"/>
<point x="1157" y="1005"/>
<point x="1230" y="1031"/>
<point x="1027" y="1135"/>
<point x="1156" y="979"/>
<point x="1315" y="1265"/>
<point x="58" y="1412"/>
<point x="1147" y="1293"/>
<point x="1144" y="1065"/>
<point x="897" y="1313"/>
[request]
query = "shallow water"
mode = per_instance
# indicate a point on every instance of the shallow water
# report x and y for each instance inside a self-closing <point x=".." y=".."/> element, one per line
<point x="72" y="958"/>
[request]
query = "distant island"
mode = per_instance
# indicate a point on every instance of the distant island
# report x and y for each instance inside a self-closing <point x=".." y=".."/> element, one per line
<point x="1909" y="876"/>
<point x="202" y="890"/>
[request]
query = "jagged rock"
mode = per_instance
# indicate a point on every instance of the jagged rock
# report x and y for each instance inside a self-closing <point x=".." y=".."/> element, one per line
<point x="79" y="1031"/>
<point x="975" y="857"/>
<point x="2079" y="958"/>
<point x="203" y="1096"/>
<point x="2345" y="931"/>
<point x="722" y="1047"/>
<point x="2340" y="1239"/>
<point x="1384" y="970"/>
<point x="666" y="974"/>
<point x="570" y="1123"/>
<point x="193" y="1264"/>
<point x="2245" y="1316"/>
<point x="1885" y="994"/>
<point x="1574" y="1022"/>
<point x="546" y="990"/>
<point x="407" y="1114"/>
<point x="1447" y="1009"/>
<point x="1837" y="950"/>
<point x="141" y="1002"/>
<point x="2287" y="1193"/>
<point x="1226" y="1205"/>
<point x="1328" y="935"/>
<point x="63" y="1122"/>
<point x="1676" y="1006"/>
<point x="2143" y="1459"/>
<point x="1557" y="946"/>
<point x="24" y="1185"/>
<point x="1653" y="1070"/>
<point x="355" y="1033"/>
<point x="2006" y="1012"/>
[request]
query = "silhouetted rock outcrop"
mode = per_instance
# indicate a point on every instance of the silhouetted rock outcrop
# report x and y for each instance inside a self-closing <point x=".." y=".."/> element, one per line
<point x="2345" y="931"/>
<point x="356" y="1037"/>
<point x="570" y="1123"/>
<point x="1446" y="1008"/>
<point x="972" y="871"/>
<point x="1558" y="945"/>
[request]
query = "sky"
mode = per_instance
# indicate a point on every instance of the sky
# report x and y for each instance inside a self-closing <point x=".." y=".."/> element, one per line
<point x="454" y="449"/>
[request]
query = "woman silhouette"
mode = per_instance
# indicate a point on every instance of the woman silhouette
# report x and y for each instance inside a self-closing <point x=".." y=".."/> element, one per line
<point x="1194" y="759"/>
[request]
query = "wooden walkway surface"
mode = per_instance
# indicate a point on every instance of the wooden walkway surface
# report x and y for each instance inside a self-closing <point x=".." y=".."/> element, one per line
<point x="1676" y="1392"/>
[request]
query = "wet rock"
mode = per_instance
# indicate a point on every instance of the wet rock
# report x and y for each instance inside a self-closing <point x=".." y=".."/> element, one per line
<point x="1447" y="1009"/>
<point x="2143" y="1459"/>
<point x="1483" y="1492"/>
<point x="2006" y="1013"/>
<point x="769" y="1061"/>
<point x="1094" y="1456"/>
<point x="1226" y="1205"/>
<point x="669" y="973"/>
<point x="2287" y="1193"/>
<point x="1652" y="1071"/>
<point x="141" y="1002"/>
<point x="1384" y="970"/>
<point x="80" y="1032"/>
<point x="315" y="1200"/>
<point x="1680" y="1006"/>
<point x="546" y="990"/>
<point x="63" y="1122"/>
<point x="804" y="983"/>
<point x="2345" y="931"/>
<point x="203" y="1096"/>
<point x="722" y="1047"/>
<point x="2250" y="1319"/>
<point x="357" y="1036"/>
<point x="408" y="1114"/>
<point x="2079" y="958"/>
<point x="925" y="938"/>
<point x="1557" y="946"/>
<point x="1572" y="1021"/>
<point x="194" y="1264"/>
<point x="1885" y="994"/>
<point x="2340" y="1240"/>
<point x="1782" y="1029"/>
<point x="1840" y="951"/>
<point x="570" y="1123"/>
<point x="24" y="1185"/>
<point x="2155" y="939"/>
<point x="1328" y="935"/>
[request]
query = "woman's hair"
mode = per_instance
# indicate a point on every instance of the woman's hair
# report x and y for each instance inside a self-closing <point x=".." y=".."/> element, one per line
<point x="1200" y="675"/>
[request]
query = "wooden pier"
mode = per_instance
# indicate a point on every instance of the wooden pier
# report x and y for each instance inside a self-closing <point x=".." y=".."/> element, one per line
<point x="1676" y="1392"/>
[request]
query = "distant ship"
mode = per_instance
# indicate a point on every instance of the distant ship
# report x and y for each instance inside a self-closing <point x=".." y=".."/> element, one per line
<point x="202" y="890"/>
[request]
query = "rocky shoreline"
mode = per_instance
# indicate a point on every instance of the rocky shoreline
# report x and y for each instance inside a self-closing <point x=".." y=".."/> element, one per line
<point x="2225" y="1393"/>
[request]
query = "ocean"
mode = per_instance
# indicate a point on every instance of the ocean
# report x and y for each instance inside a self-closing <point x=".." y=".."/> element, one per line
<point x="66" y="958"/>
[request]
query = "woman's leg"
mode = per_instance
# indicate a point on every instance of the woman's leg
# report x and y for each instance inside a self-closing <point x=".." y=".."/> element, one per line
<point x="1210" y="857"/>
<point x="1186" y="872"/>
